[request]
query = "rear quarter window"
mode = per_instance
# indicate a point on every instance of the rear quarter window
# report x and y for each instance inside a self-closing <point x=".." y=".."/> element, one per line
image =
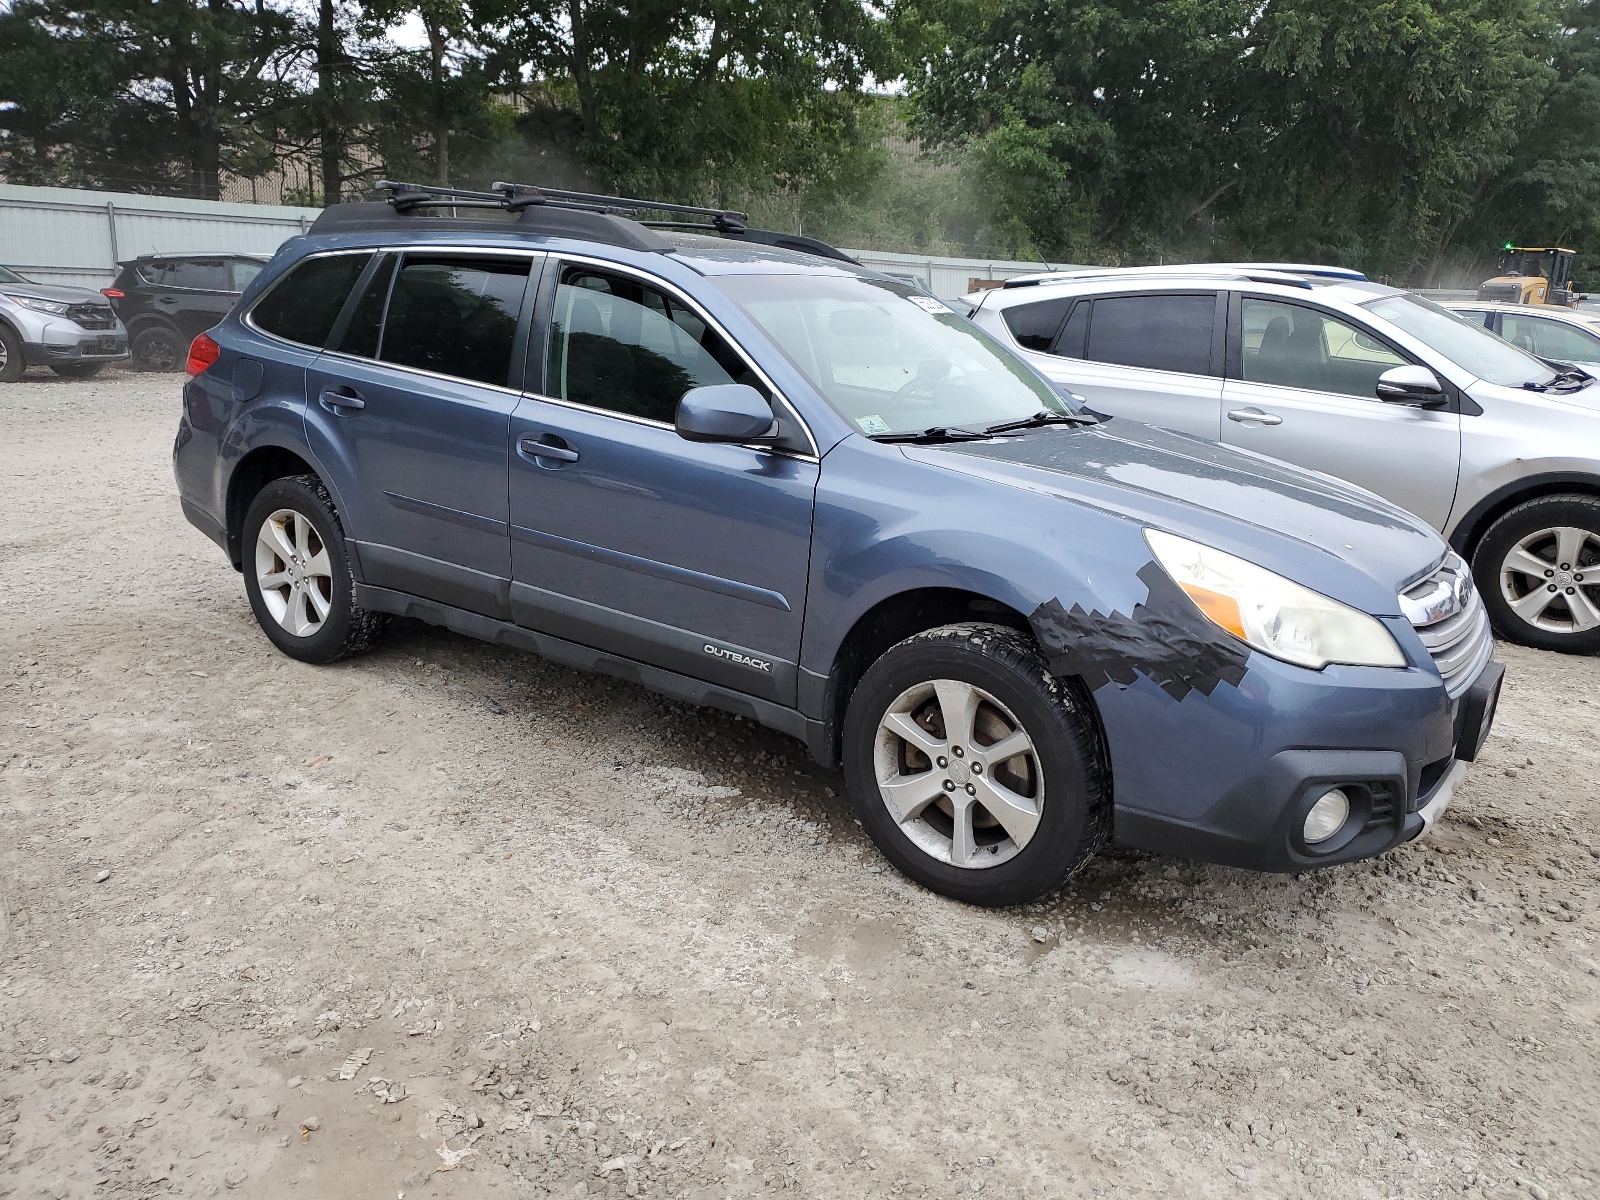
<point x="303" y="305"/>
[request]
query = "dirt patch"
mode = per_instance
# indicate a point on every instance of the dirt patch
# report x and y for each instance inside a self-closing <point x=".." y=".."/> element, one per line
<point x="576" y="939"/>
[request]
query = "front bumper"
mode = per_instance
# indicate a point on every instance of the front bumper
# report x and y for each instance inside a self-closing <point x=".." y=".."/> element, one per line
<point x="1257" y="822"/>
<point x="95" y="345"/>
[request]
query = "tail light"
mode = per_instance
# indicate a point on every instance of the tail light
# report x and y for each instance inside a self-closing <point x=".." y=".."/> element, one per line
<point x="202" y="353"/>
<point x="111" y="293"/>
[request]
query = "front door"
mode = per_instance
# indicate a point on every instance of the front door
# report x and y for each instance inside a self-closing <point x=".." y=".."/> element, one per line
<point x="1302" y="387"/>
<point x="410" y="414"/>
<point x="689" y="556"/>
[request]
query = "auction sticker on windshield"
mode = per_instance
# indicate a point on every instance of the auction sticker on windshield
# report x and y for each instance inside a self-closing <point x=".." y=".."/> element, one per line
<point x="929" y="304"/>
<point x="873" y="424"/>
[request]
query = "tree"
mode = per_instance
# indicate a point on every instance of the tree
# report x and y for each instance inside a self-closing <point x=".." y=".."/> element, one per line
<point x="158" y="94"/>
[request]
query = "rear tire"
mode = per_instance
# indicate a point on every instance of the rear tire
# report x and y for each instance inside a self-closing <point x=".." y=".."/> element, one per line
<point x="958" y="814"/>
<point x="1538" y="570"/>
<point x="297" y="574"/>
<point x="12" y="364"/>
<point x="158" y="348"/>
<point x="77" y="370"/>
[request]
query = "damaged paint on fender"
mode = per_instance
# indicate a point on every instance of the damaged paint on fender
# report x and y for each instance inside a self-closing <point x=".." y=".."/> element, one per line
<point x="1166" y="638"/>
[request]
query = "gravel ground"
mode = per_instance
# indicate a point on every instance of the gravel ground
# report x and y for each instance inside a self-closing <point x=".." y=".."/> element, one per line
<point x="449" y="920"/>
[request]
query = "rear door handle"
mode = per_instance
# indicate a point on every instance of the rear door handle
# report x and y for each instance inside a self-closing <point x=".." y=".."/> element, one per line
<point x="335" y="398"/>
<point x="535" y="447"/>
<point x="1254" y="416"/>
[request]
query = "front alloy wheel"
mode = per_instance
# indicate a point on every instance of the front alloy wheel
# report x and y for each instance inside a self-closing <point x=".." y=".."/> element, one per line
<point x="951" y="740"/>
<point x="1538" y="569"/>
<point x="959" y="774"/>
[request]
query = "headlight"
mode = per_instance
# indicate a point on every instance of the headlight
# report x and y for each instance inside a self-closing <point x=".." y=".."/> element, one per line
<point x="45" y="306"/>
<point x="1270" y="613"/>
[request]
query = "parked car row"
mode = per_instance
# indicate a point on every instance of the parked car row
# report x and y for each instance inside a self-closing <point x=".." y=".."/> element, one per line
<point x="787" y="486"/>
<point x="149" y="315"/>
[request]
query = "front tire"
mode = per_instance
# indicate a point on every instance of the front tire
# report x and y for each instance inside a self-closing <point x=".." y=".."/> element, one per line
<point x="297" y="574"/>
<point x="1538" y="570"/>
<point x="158" y="348"/>
<point x="12" y="364"/>
<point x="974" y="770"/>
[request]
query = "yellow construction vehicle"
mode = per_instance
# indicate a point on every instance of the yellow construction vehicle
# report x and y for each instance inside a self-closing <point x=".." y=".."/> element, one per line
<point x="1532" y="275"/>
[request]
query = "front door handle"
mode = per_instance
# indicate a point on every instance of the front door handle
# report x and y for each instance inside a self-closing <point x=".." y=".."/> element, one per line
<point x="554" y="449"/>
<point x="1254" y="416"/>
<point x="340" y="397"/>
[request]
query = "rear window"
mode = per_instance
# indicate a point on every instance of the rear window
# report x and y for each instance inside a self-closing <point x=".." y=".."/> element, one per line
<point x="200" y="274"/>
<point x="304" y="304"/>
<point x="1162" y="333"/>
<point x="455" y="316"/>
<point x="1034" y="325"/>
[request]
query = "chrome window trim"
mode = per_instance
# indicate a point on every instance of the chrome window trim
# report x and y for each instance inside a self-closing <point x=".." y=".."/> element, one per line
<point x="694" y="307"/>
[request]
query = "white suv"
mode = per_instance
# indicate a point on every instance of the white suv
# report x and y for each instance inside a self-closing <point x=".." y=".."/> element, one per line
<point x="1497" y="449"/>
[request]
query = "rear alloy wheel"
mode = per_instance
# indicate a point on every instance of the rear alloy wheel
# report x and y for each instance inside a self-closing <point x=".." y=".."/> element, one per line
<point x="1538" y="569"/>
<point x="158" y="348"/>
<point x="973" y="769"/>
<point x="297" y="574"/>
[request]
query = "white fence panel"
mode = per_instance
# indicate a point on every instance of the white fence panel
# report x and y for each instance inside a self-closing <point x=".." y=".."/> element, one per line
<point x="64" y="235"/>
<point x="950" y="277"/>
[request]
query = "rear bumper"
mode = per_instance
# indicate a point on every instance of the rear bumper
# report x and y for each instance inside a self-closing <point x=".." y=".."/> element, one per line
<point x="1257" y="823"/>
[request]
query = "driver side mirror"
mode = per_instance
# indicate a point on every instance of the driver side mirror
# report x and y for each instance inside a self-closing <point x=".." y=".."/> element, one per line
<point x="725" y="412"/>
<point x="1417" y="387"/>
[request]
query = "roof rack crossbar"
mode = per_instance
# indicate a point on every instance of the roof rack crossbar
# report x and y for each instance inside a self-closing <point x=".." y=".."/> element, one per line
<point x="521" y="195"/>
<point x="514" y="197"/>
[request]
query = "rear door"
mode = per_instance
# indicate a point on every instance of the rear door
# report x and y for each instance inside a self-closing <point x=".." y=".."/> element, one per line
<point x="197" y="293"/>
<point x="625" y="537"/>
<point x="410" y="413"/>
<point x="1302" y="387"/>
<point x="1153" y="357"/>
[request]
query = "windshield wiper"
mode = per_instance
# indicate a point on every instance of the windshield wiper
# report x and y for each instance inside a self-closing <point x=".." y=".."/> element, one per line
<point x="932" y="435"/>
<point x="1040" y="419"/>
<point x="1571" y="380"/>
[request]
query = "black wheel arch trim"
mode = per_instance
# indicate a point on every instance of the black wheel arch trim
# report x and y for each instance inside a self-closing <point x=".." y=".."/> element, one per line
<point x="1469" y="531"/>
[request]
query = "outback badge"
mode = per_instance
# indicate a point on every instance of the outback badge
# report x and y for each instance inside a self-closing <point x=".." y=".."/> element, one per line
<point x="744" y="660"/>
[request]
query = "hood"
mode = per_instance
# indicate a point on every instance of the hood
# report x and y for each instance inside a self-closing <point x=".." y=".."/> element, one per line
<point x="1263" y="510"/>
<point x="50" y="291"/>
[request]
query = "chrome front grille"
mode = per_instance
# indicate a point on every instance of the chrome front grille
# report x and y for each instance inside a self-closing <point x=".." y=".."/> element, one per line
<point x="1449" y="617"/>
<point x="93" y="316"/>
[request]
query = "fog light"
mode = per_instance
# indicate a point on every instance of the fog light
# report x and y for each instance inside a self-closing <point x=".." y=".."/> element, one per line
<point x="1327" y="816"/>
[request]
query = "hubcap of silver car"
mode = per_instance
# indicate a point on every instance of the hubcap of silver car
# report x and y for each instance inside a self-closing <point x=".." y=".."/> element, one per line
<point x="294" y="572"/>
<point x="959" y="774"/>
<point x="1551" y="579"/>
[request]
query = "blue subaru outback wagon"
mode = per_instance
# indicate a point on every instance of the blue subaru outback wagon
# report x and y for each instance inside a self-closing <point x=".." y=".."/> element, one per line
<point x="770" y="480"/>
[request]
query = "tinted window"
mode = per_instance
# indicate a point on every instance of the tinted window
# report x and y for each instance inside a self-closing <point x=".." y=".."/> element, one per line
<point x="1070" y="343"/>
<point x="1034" y="325"/>
<point x="361" y="335"/>
<point x="1302" y="348"/>
<point x="1165" y="333"/>
<point x="455" y="316"/>
<point x="1550" y="339"/>
<point x="244" y="272"/>
<point x="618" y="345"/>
<point x="200" y="274"/>
<point x="303" y="305"/>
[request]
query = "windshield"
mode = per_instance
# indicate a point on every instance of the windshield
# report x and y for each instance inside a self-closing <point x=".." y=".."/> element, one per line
<point x="888" y="358"/>
<point x="1464" y="343"/>
<point x="7" y="275"/>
